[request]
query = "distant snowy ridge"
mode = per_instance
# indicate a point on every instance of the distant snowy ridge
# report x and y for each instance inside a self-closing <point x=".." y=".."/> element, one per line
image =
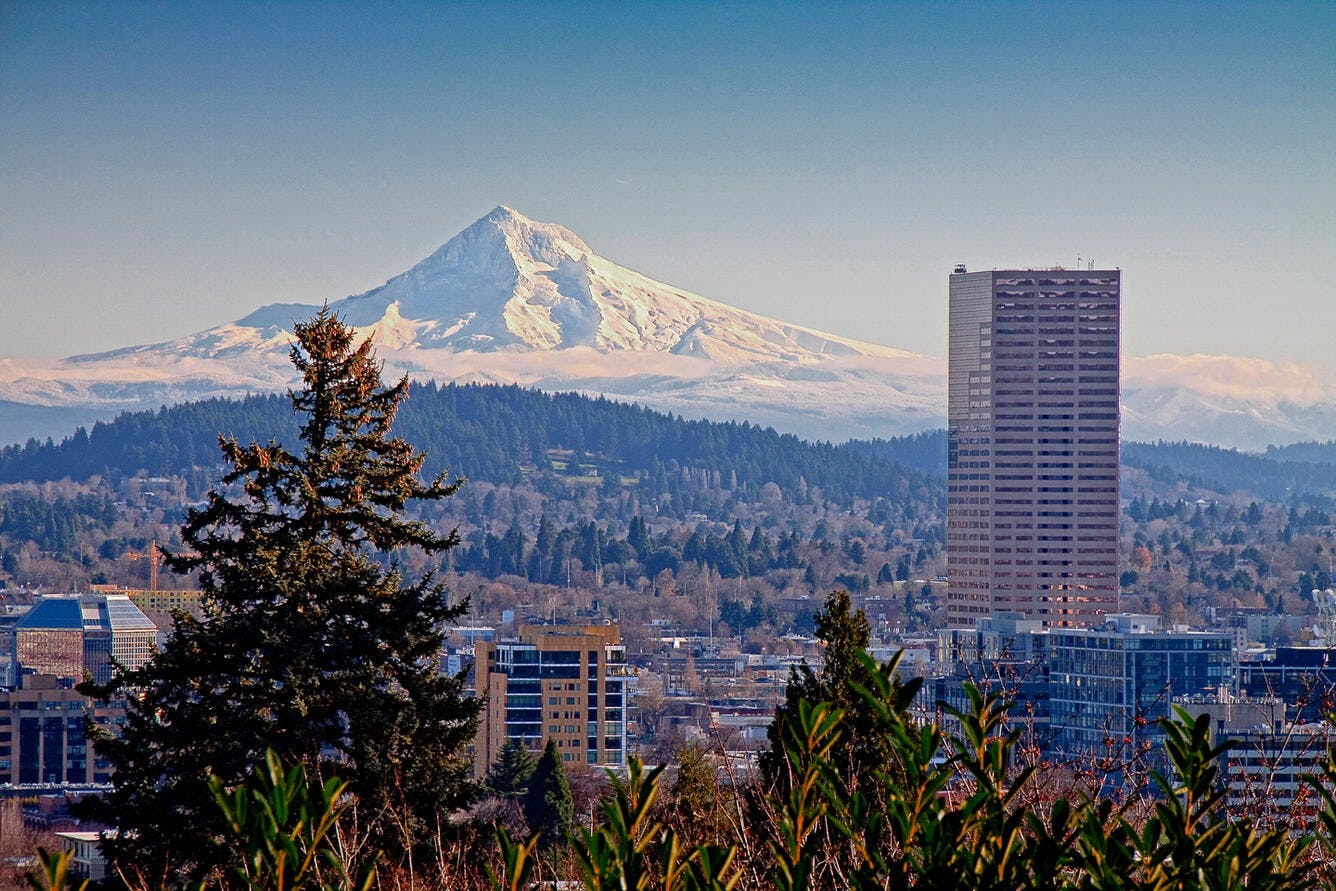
<point x="509" y="283"/>
<point x="511" y="300"/>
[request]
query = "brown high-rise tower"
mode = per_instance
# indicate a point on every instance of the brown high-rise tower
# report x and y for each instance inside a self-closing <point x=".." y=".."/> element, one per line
<point x="1032" y="433"/>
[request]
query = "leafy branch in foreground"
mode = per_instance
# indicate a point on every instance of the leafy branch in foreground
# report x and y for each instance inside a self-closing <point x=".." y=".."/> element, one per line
<point x="290" y="830"/>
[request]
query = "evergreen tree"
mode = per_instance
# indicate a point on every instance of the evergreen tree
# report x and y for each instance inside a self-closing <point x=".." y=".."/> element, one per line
<point x="308" y="645"/>
<point x="862" y="753"/>
<point x="548" y="806"/>
<point x="510" y="774"/>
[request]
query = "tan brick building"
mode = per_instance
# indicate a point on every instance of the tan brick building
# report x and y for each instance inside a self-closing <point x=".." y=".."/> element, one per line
<point x="565" y="683"/>
<point x="43" y="734"/>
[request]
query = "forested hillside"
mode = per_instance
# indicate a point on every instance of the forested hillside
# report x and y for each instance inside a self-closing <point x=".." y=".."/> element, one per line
<point x="567" y="492"/>
<point x="1311" y="452"/>
<point x="493" y="434"/>
<point x="564" y="491"/>
<point x="1281" y="473"/>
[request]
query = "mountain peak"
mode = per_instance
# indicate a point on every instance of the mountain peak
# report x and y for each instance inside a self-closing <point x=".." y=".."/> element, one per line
<point x="517" y="300"/>
<point x="527" y="239"/>
<point x="505" y="212"/>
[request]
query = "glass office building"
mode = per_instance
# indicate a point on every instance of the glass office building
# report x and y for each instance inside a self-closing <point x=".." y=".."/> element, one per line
<point x="1108" y="686"/>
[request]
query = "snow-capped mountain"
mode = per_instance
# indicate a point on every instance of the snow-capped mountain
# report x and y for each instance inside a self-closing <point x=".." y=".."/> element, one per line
<point x="507" y="283"/>
<point x="514" y="300"/>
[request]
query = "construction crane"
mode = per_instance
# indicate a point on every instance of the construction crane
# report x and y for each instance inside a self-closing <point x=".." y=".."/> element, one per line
<point x="154" y="557"/>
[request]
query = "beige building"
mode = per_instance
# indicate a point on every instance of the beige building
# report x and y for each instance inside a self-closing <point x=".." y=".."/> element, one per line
<point x="43" y="734"/>
<point x="85" y="850"/>
<point x="158" y="605"/>
<point x="565" y="683"/>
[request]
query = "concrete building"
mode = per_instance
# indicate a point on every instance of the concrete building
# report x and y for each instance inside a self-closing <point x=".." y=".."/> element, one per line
<point x="1108" y="686"/>
<point x="1269" y="757"/>
<point x="565" y="683"/>
<point x="86" y="858"/>
<point x="1032" y="439"/>
<point x="159" y="605"/>
<point x="1304" y="678"/>
<point x="43" y="737"/>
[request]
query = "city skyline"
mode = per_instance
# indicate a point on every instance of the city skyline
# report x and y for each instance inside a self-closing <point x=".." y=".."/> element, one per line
<point x="172" y="168"/>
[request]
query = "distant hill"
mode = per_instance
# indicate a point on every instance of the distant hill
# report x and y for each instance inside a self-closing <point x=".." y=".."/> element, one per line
<point x="1303" y="469"/>
<point x="1308" y="452"/>
<point x="924" y="452"/>
<point x="496" y="434"/>
<point x="500" y="434"/>
<point x="1273" y="476"/>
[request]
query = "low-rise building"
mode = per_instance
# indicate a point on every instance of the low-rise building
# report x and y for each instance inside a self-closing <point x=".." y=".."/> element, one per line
<point x="86" y="860"/>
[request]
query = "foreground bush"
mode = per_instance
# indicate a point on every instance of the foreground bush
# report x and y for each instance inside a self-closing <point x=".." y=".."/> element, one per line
<point x="947" y="811"/>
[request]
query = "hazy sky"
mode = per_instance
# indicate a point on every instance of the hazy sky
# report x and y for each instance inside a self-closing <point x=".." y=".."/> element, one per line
<point x="166" y="167"/>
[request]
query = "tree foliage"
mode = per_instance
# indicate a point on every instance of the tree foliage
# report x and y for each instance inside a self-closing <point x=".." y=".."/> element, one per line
<point x="860" y="754"/>
<point x="309" y="645"/>
<point x="496" y="434"/>
<point x="548" y="806"/>
<point x="509" y="776"/>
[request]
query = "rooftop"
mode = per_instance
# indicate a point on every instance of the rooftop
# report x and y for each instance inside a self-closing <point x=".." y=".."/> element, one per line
<point x="90" y="612"/>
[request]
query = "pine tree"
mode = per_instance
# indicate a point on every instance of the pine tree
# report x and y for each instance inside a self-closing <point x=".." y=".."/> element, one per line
<point x="509" y="776"/>
<point x="548" y="806"/>
<point x="861" y="753"/>
<point x="308" y="644"/>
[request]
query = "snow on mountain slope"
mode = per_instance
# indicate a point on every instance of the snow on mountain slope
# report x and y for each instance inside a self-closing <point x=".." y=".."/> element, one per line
<point x="513" y="300"/>
<point x="1236" y="401"/>
<point x="507" y="282"/>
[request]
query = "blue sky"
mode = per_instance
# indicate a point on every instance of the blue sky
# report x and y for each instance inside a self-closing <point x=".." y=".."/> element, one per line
<point x="166" y="167"/>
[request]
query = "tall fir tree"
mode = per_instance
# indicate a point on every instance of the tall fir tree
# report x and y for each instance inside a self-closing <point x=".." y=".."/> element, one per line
<point x="509" y="775"/>
<point x="862" y="754"/>
<point x="308" y="644"/>
<point x="548" y="806"/>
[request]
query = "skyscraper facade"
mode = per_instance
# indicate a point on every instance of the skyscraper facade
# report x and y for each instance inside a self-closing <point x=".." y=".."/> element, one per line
<point x="1032" y="441"/>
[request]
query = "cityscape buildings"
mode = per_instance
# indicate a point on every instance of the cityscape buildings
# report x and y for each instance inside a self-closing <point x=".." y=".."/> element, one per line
<point x="49" y="649"/>
<point x="1109" y="686"/>
<point x="1032" y="440"/>
<point x="72" y="636"/>
<point x="564" y="683"/>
